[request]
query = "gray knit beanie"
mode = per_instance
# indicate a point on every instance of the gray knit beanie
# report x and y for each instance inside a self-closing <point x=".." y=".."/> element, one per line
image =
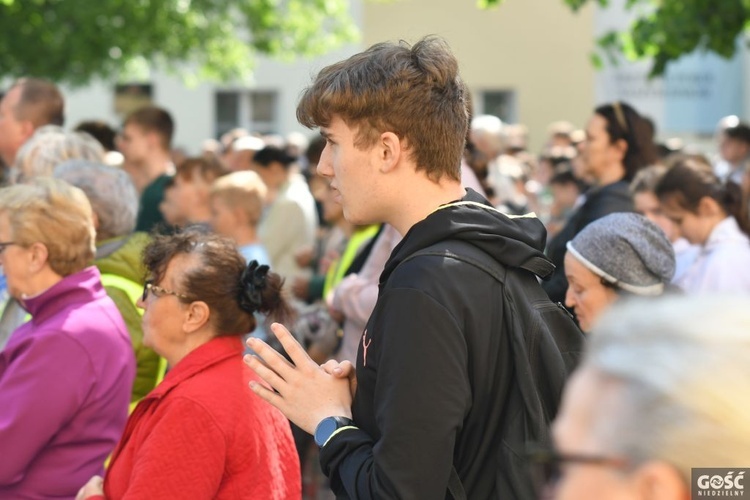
<point x="628" y="251"/>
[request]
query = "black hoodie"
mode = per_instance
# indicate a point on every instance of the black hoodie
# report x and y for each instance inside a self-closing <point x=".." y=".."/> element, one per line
<point x="435" y="367"/>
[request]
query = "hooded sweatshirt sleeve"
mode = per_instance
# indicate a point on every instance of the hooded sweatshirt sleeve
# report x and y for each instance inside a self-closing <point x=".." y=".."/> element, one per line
<point x="421" y="395"/>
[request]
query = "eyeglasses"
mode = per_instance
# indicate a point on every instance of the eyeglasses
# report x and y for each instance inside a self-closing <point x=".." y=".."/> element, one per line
<point x="6" y="244"/>
<point x="158" y="291"/>
<point x="547" y="463"/>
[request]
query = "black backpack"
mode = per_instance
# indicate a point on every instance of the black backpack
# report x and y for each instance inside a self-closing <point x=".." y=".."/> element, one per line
<point x="546" y="343"/>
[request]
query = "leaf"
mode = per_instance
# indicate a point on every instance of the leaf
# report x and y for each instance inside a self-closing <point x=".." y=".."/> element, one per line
<point x="665" y="30"/>
<point x="487" y="4"/>
<point x="217" y="39"/>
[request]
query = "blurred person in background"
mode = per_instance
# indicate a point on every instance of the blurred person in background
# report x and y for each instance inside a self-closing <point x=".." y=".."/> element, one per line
<point x="236" y="208"/>
<point x="734" y="152"/>
<point x="713" y="215"/>
<point x="659" y="393"/>
<point x="101" y="131"/>
<point x="28" y="104"/>
<point x="192" y="187"/>
<point x="619" y="142"/>
<point x="566" y="190"/>
<point x="538" y="185"/>
<point x="47" y="148"/>
<point x="66" y="375"/>
<point x="114" y="201"/>
<point x="106" y="136"/>
<point x="621" y="254"/>
<point x="145" y="144"/>
<point x="170" y="209"/>
<point x="559" y="135"/>
<point x="646" y="203"/>
<point x="290" y="220"/>
<point x="240" y="154"/>
<point x="201" y="433"/>
<point x="50" y="146"/>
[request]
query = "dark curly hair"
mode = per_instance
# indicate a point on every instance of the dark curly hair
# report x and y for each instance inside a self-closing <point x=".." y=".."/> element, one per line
<point x="232" y="290"/>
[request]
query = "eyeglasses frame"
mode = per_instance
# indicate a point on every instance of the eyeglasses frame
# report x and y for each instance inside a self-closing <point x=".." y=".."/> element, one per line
<point x="159" y="291"/>
<point x="6" y="244"/>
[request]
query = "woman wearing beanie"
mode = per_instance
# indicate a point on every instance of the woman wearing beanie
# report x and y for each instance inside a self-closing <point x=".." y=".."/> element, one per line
<point x="619" y="142"/>
<point x="620" y="254"/>
<point x="713" y="215"/>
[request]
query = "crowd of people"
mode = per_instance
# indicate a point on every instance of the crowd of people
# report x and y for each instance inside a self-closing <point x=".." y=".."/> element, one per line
<point x="410" y="296"/>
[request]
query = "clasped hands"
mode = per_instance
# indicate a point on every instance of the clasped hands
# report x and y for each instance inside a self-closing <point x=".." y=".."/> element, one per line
<point x="303" y="391"/>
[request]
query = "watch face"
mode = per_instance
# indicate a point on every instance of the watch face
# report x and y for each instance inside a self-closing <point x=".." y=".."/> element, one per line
<point x="325" y="428"/>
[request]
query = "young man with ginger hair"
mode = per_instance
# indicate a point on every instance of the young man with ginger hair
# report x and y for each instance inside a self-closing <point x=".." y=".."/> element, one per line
<point x="434" y="402"/>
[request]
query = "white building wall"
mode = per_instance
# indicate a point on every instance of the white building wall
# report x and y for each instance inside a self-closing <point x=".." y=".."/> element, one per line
<point x="193" y="109"/>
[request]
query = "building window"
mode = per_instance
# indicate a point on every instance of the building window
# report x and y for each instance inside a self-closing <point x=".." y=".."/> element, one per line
<point x="254" y="110"/>
<point x="500" y="103"/>
<point x="130" y="97"/>
<point x="227" y="111"/>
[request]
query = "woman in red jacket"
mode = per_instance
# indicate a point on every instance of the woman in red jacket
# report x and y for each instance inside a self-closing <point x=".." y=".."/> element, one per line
<point x="201" y="433"/>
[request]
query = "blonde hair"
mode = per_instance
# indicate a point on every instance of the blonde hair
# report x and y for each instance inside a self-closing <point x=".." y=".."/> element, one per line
<point x="244" y="190"/>
<point x="50" y="146"/>
<point x="682" y="365"/>
<point x="56" y="214"/>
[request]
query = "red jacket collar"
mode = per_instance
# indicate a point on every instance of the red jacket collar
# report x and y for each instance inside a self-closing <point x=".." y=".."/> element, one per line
<point x="212" y="352"/>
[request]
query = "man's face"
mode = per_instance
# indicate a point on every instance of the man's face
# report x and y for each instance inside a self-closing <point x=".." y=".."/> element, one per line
<point x="190" y="194"/>
<point x="353" y="173"/>
<point x="733" y="150"/>
<point x="135" y="144"/>
<point x="224" y="220"/>
<point x="13" y="132"/>
<point x="589" y="404"/>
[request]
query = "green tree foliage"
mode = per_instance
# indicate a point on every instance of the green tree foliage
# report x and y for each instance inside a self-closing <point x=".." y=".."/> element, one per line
<point x="74" y="41"/>
<point x="665" y="30"/>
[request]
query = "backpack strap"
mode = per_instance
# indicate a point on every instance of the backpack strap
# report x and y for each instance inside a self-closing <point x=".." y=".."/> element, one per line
<point x="455" y="488"/>
<point x="464" y="252"/>
<point x="467" y="253"/>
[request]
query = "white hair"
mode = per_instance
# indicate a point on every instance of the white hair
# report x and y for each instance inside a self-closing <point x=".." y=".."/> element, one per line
<point x="490" y="131"/>
<point x="683" y="364"/>
<point x="110" y="191"/>
<point x="50" y="146"/>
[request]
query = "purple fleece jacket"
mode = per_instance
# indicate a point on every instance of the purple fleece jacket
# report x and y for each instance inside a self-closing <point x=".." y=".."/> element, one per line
<point x="65" y="382"/>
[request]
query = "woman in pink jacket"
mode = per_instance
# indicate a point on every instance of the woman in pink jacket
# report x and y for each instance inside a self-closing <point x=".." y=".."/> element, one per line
<point x="65" y="375"/>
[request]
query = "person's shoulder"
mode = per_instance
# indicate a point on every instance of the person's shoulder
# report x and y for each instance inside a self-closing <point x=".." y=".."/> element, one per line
<point x="215" y="384"/>
<point x="447" y="279"/>
<point x="47" y="344"/>
<point x="222" y="394"/>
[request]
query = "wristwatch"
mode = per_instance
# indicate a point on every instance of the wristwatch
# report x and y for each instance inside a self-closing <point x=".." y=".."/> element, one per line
<point x="328" y="426"/>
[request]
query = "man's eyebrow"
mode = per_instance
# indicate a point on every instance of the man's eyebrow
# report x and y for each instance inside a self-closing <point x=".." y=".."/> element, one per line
<point x="325" y="133"/>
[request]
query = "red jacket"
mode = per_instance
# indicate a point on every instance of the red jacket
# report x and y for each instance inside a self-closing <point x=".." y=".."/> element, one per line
<point x="203" y="434"/>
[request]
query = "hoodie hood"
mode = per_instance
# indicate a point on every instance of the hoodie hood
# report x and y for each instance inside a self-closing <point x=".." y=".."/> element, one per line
<point x="123" y="256"/>
<point x="512" y="241"/>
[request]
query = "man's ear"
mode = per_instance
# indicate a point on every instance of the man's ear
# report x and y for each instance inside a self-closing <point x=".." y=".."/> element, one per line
<point x="196" y="316"/>
<point x="389" y="148"/>
<point x="656" y="480"/>
<point x="27" y="129"/>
